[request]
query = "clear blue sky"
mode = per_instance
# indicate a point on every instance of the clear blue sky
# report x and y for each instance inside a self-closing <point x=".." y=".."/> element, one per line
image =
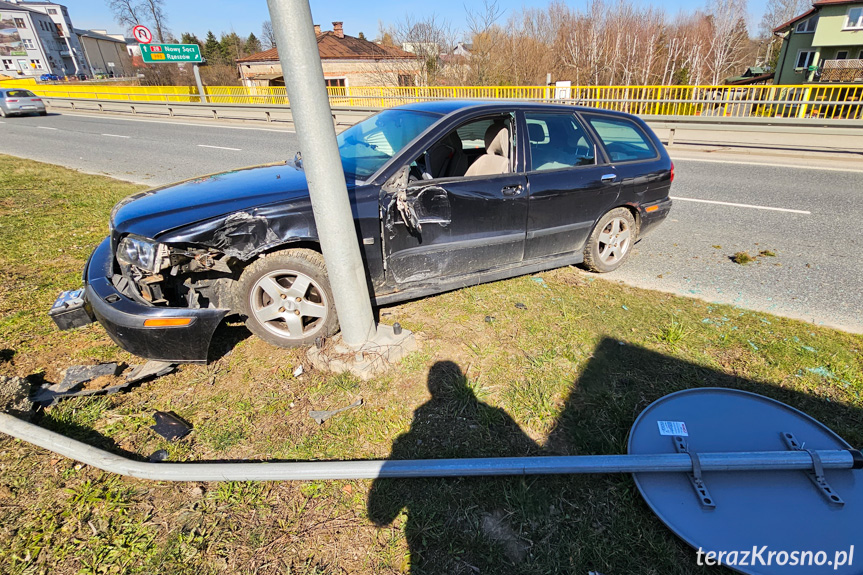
<point x="244" y="16"/>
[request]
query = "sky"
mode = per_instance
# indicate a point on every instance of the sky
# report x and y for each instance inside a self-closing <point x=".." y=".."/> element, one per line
<point x="245" y="16"/>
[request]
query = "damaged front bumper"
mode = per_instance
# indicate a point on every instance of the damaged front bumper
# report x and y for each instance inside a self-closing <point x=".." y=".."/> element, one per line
<point x="141" y="329"/>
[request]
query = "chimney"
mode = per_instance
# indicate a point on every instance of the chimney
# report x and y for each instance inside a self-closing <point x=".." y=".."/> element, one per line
<point x="339" y="29"/>
<point x="317" y="29"/>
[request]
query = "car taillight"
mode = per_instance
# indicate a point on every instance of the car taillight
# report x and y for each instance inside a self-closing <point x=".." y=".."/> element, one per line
<point x="10" y="100"/>
<point x="672" y="172"/>
<point x="35" y="99"/>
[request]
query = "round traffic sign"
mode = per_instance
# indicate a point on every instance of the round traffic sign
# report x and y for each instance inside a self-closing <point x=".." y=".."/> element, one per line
<point x="142" y="34"/>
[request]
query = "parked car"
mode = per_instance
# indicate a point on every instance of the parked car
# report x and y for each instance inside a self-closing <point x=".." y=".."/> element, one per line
<point x="49" y="78"/>
<point x="445" y="195"/>
<point x="17" y="102"/>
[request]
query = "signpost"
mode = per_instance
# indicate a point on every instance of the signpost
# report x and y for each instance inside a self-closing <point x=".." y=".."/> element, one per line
<point x="142" y="34"/>
<point x="175" y="54"/>
<point x="170" y="53"/>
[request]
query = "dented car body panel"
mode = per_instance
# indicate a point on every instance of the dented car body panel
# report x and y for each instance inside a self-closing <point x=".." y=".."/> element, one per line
<point x="177" y="251"/>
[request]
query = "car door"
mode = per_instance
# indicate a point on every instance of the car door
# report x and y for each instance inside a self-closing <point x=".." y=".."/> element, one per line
<point x="437" y="228"/>
<point x="570" y="185"/>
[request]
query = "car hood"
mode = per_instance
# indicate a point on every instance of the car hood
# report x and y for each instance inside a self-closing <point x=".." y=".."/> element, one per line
<point x="154" y="212"/>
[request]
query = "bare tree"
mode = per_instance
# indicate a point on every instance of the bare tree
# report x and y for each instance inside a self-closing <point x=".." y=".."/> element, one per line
<point x="776" y="13"/>
<point x="268" y="36"/>
<point x="429" y="38"/>
<point x="125" y="12"/>
<point x="726" y="42"/>
<point x="155" y="11"/>
<point x="487" y="39"/>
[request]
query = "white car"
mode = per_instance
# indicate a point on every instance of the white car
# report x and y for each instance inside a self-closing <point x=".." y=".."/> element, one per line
<point x="16" y="102"/>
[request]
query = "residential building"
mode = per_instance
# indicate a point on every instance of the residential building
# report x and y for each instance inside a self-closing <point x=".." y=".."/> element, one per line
<point x="347" y="61"/>
<point x="34" y="41"/>
<point x="824" y="44"/>
<point x="106" y="54"/>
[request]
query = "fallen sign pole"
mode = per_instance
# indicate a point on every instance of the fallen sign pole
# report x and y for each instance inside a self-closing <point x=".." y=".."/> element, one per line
<point x="787" y="497"/>
<point x="375" y="469"/>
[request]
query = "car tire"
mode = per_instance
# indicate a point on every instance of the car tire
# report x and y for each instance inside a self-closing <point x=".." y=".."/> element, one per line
<point x="280" y="311"/>
<point x="43" y="113"/>
<point x="2" y="113"/>
<point x="611" y="241"/>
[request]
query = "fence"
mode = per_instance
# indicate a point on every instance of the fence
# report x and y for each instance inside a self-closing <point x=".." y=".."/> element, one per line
<point x="802" y="101"/>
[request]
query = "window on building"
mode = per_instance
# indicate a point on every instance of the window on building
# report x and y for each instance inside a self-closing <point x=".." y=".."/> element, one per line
<point x="842" y="55"/>
<point x="807" y="26"/>
<point x="860" y="55"/>
<point x="805" y="58"/>
<point x="624" y="140"/>
<point x="59" y="29"/>
<point x="557" y="141"/>
<point x="28" y="43"/>
<point x="52" y="10"/>
<point x="19" y="23"/>
<point x="335" y="82"/>
<point x="855" y="19"/>
<point x="8" y="64"/>
<point x="406" y="80"/>
<point x="36" y="64"/>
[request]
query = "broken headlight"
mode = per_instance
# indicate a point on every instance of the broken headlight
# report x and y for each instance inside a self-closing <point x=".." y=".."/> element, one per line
<point x="138" y="252"/>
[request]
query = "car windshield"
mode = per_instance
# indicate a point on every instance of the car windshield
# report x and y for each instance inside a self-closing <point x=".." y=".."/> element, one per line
<point x="367" y="146"/>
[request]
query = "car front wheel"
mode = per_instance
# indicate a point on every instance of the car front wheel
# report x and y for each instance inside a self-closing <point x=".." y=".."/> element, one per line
<point x="286" y="298"/>
<point x="611" y="241"/>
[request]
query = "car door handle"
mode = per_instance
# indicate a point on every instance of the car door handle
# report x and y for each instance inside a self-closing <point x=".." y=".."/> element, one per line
<point x="512" y="190"/>
<point x="608" y="178"/>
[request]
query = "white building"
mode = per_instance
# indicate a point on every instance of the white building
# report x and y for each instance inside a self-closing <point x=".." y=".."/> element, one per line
<point x="38" y="38"/>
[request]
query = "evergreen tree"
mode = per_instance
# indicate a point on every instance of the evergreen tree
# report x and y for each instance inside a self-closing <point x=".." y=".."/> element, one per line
<point x="188" y="38"/>
<point x="253" y="45"/>
<point x="212" y="49"/>
<point x="232" y="47"/>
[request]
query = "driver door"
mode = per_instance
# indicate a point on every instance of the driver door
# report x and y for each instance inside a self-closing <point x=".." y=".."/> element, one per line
<point x="457" y="225"/>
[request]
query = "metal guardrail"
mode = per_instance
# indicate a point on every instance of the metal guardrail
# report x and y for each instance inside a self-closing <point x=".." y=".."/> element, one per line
<point x="841" y="102"/>
<point x="346" y="116"/>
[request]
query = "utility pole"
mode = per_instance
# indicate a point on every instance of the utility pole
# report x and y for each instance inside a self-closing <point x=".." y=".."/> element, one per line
<point x="310" y="107"/>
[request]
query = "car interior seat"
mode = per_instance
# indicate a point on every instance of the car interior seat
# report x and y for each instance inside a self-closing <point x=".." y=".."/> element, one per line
<point x="496" y="158"/>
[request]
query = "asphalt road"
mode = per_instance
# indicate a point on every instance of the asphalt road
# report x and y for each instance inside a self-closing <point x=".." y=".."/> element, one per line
<point x="809" y="218"/>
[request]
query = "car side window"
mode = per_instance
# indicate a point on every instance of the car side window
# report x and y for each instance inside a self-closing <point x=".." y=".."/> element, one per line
<point x="558" y="141"/>
<point x="623" y="139"/>
<point x="476" y="148"/>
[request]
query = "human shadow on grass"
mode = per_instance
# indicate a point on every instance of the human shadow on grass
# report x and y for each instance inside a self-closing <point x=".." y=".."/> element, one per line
<point x="552" y="524"/>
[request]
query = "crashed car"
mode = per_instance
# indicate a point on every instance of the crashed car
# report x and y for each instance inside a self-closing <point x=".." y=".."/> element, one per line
<point x="444" y="194"/>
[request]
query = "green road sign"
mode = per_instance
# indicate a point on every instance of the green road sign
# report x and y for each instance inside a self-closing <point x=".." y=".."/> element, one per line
<point x="170" y="53"/>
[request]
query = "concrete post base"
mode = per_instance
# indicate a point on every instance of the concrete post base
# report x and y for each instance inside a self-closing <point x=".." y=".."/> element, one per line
<point x="373" y="358"/>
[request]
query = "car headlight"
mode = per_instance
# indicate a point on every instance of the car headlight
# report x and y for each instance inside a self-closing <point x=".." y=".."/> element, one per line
<point x="138" y="252"/>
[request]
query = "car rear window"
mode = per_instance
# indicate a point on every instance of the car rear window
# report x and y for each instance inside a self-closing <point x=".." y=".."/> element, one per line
<point x="20" y="94"/>
<point x="624" y="140"/>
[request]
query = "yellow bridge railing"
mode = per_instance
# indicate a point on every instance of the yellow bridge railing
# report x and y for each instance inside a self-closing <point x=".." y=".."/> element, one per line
<point x="800" y="101"/>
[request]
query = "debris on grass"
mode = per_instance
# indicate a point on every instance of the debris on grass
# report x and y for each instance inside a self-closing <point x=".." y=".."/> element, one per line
<point x="520" y="306"/>
<point x="321" y="416"/>
<point x="489" y="318"/>
<point x="742" y="258"/>
<point x="170" y="425"/>
<point x="767" y="254"/>
<point x="160" y="455"/>
<point x="15" y="396"/>
<point x="150" y="369"/>
<point x="808" y="348"/>
<point x="540" y="281"/>
<point x="299" y="371"/>
<point x="717" y="247"/>
<point x="78" y="374"/>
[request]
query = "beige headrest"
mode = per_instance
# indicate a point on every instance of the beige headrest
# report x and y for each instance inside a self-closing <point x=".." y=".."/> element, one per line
<point x="497" y="140"/>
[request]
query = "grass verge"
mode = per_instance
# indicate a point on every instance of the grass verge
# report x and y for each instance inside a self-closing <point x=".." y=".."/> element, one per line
<point x="562" y="365"/>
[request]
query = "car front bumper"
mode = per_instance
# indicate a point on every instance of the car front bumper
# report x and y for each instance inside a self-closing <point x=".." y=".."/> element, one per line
<point x="657" y="214"/>
<point x="124" y="318"/>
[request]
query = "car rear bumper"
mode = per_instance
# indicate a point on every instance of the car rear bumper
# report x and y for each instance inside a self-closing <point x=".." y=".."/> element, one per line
<point x="14" y="110"/>
<point x="653" y="214"/>
<point x="124" y="318"/>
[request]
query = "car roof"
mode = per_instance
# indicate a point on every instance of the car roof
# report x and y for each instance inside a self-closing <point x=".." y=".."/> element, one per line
<point x="446" y="107"/>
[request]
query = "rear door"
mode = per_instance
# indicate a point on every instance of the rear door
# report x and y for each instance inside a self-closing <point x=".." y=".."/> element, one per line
<point x="569" y="182"/>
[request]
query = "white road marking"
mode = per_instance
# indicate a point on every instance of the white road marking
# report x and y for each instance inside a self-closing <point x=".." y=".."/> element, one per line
<point x="45" y="128"/>
<point x="209" y="124"/>
<point x="220" y="148"/>
<point x="772" y="209"/>
<point x="766" y="164"/>
<point x="116" y="136"/>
